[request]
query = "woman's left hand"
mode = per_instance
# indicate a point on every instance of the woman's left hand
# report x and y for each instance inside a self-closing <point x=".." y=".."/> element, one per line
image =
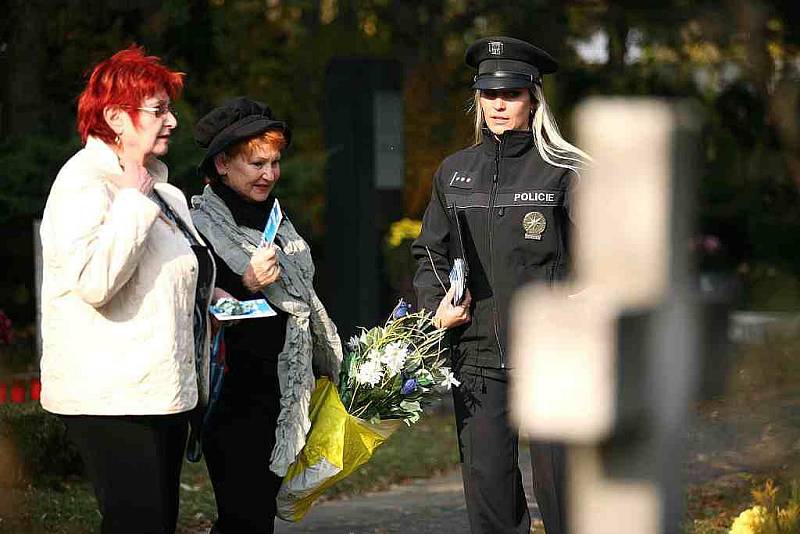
<point x="217" y="294"/>
<point x="220" y="293"/>
<point x="450" y="316"/>
<point x="213" y="321"/>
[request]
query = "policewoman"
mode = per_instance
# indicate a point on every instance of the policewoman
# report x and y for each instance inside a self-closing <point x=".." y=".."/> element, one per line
<point x="504" y="205"/>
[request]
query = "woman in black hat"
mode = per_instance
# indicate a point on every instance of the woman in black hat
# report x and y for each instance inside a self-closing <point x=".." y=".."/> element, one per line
<point x="503" y="205"/>
<point x="260" y="420"/>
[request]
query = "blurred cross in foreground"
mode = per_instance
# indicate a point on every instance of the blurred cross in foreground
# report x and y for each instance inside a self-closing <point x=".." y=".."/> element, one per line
<point x="611" y="363"/>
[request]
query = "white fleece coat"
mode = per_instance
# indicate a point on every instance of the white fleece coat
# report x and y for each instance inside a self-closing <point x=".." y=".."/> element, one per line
<point x="118" y="291"/>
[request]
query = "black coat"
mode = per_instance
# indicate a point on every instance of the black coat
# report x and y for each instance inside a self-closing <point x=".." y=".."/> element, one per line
<point x="513" y="210"/>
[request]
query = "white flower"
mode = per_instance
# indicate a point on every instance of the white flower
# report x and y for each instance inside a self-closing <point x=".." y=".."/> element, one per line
<point x="449" y="379"/>
<point x="369" y="372"/>
<point x="394" y="357"/>
<point x="373" y="356"/>
<point x="363" y="338"/>
<point x="352" y="344"/>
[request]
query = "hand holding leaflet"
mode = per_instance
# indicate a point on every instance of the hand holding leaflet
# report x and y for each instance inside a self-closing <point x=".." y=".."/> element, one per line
<point x="228" y="309"/>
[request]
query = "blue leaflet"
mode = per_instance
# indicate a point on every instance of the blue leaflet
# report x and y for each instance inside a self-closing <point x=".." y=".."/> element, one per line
<point x="458" y="280"/>
<point x="228" y="309"/>
<point x="273" y="221"/>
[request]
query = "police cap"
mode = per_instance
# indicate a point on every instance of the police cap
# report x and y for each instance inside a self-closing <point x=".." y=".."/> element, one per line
<point x="508" y="63"/>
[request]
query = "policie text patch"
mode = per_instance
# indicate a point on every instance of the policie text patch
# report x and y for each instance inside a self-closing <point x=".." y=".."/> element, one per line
<point x="531" y="197"/>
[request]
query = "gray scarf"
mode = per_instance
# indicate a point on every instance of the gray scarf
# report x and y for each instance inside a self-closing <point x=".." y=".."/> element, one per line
<point x="312" y="345"/>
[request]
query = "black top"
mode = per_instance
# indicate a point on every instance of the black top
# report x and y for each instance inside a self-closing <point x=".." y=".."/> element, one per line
<point x="514" y="213"/>
<point x="252" y="345"/>
<point x="204" y="274"/>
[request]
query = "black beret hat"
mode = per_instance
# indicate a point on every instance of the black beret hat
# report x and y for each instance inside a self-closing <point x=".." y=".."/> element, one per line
<point x="508" y="63"/>
<point x="230" y="123"/>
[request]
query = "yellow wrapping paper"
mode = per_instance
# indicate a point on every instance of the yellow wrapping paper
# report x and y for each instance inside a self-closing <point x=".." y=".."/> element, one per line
<point x="337" y="444"/>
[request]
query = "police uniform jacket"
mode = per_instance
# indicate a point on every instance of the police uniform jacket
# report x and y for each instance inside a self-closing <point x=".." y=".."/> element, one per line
<point x="512" y="211"/>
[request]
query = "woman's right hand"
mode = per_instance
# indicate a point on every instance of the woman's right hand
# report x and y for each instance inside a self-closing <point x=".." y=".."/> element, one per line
<point x="262" y="270"/>
<point x="449" y="316"/>
<point x="135" y="176"/>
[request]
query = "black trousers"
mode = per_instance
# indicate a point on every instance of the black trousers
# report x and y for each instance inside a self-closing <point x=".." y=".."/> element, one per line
<point x="134" y="463"/>
<point x="237" y="444"/>
<point x="489" y="460"/>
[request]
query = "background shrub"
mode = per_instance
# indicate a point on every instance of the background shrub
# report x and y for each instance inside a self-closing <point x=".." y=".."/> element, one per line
<point x="45" y="455"/>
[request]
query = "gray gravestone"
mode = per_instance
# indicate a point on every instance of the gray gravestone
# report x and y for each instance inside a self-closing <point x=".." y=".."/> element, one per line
<point x="365" y="171"/>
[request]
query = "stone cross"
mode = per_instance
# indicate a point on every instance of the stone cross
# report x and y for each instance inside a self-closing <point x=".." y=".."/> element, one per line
<point x="610" y="362"/>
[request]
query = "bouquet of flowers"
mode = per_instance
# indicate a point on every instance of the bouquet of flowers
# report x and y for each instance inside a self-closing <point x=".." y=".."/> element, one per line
<point x="388" y="374"/>
<point x="390" y="371"/>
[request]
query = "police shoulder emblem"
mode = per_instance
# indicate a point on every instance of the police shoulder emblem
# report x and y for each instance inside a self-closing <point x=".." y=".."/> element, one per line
<point x="534" y="224"/>
<point x="496" y="48"/>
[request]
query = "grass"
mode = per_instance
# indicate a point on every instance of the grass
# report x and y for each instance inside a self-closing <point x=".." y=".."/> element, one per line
<point x="748" y="436"/>
<point x="712" y="506"/>
<point x="67" y="509"/>
<point x="725" y="504"/>
<point x="422" y="451"/>
<point x="740" y="440"/>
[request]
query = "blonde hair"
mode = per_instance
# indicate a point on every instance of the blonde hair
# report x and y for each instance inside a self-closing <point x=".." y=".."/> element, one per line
<point x="553" y="148"/>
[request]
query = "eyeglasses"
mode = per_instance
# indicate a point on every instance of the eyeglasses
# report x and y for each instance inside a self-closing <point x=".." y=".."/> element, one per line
<point x="160" y="110"/>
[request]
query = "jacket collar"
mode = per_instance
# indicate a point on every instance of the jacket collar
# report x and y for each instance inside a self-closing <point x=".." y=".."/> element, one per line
<point x="107" y="160"/>
<point x="511" y="143"/>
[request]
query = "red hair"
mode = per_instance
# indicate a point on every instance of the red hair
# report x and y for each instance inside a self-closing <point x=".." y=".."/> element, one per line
<point x="125" y="80"/>
<point x="271" y="140"/>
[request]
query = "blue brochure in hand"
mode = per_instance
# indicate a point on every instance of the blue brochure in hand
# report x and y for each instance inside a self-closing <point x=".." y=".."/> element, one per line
<point x="273" y="221"/>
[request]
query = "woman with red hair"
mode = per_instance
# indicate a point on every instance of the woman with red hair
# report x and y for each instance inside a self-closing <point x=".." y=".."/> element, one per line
<point x="125" y="289"/>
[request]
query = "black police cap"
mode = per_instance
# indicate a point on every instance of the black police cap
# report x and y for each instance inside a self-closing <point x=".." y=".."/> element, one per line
<point x="236" y="120"/>
<point x="508" y="63"/>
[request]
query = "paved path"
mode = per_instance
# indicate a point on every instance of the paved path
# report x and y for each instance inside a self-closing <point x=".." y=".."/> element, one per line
<point x="424" y="506"/>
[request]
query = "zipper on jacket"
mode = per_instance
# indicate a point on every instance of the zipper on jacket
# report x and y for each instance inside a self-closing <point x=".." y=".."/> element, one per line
<point x="557" y="262"/>
<point x="554" y="268"/>
<point x="498" y="151"/>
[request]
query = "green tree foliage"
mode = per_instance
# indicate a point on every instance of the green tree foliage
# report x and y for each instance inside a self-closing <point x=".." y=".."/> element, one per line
<point x="737" y="58"/>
